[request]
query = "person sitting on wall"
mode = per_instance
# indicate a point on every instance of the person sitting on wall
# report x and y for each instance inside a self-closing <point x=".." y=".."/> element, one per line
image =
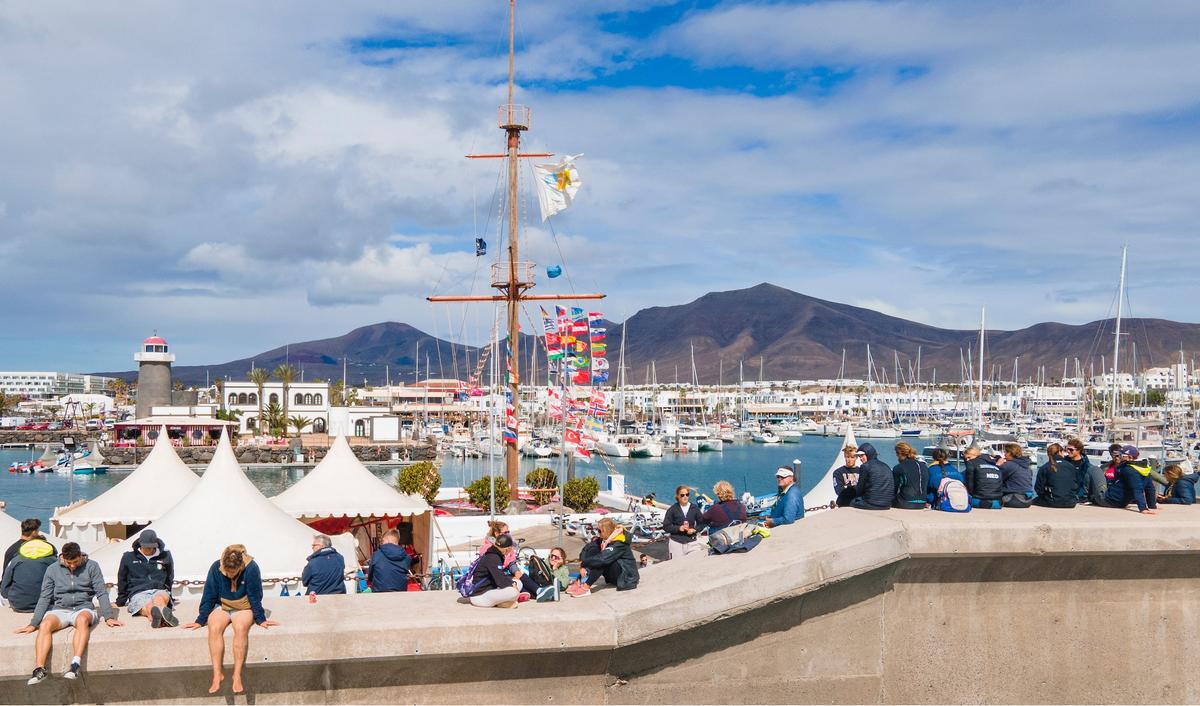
<point x="325" y="572"/>
<point x="938" y="470"/>
<point x="72" y="589"/>
<point x="727" y="510"/>
<point x="1017" y="477"/>
<point x="30" y="529"/>
<point x="1091" y="480"/>
<point x="1132" y="484"/>
<point x="1181" y="488"/>
<point x="21" y="584"/>
<point x="1057" y="483"/>
<point x="610" y="557"/>
<point x="789" y="504"/>
<point x="983" y="479"/>
<point x="389" y="565"/>
<point x="144" y="580"/>
<point x="876" y="488"/>
<point x="493" y="588"/>
<point x="911" y="478"/>
<point x="845" y="478"/>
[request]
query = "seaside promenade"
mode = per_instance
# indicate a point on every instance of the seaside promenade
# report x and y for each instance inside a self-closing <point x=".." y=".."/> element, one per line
<point x="1035" y="606"/>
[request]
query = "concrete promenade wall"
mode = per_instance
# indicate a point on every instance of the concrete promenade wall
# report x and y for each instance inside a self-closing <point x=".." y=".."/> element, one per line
<point x="1033" y="606"/>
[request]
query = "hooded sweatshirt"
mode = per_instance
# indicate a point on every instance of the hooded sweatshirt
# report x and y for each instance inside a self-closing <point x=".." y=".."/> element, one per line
<point x="63" y="589"/>
<point x="388" y="570"/>
<point x="139" y="572"/>
<point x="325" y="572"/>
<point x="911" y="477"/>
<point x="237" y="590"/>
<point x="1182" y="491"/>
<point x="1132" y="485"/>
<point x="22" y="581"/>
<point x="938" y="471"/>
<point x="1017" y="476"/>
<point x="876" y="488"/>
<point x="614" y="561"/>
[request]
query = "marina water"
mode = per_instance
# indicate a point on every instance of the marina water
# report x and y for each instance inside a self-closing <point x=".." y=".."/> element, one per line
<point x="748" y="466"/>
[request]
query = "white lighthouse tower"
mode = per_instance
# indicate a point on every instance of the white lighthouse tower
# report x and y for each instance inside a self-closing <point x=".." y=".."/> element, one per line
<point x="154" y="375"/>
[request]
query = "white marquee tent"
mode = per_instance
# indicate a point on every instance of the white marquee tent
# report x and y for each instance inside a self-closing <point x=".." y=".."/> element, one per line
<point x="822" y="497"/>
<point x="10" y="529"/>
<point x="342" y="494"/>
<point x="154" y="487"/>
<point x="225" y="508"/>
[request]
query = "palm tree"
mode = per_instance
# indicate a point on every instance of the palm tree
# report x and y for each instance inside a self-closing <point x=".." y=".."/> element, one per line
<point x="275" y="419"/>
<point x="287" y="375"/>
<point x="259" y="377"/>
<point x="352" y="396"/>
<point x="336" y="388"/>
<point x="300" y="423"/>
<point x="119" y="388"/>
<point x="220" y="385"/>
<point x="89" y="410"/>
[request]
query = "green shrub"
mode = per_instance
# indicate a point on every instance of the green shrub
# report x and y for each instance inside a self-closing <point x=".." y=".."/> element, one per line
<point x="543" y="484"/>
<point x="421" y="478"/>
<point x="479" y="493"/>
<point x="579" y="494"/>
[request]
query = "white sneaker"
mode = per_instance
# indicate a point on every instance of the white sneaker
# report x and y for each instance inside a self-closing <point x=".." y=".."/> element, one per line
<point x="72" y="671"/>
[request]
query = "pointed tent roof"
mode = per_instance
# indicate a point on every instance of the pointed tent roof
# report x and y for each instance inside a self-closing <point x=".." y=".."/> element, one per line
<point x="154" y="487"/>
<point x="10" y="528"/>
<point x="341" y="486"/>
<point x="821" y="496"/>
<point x="225" y="508"/>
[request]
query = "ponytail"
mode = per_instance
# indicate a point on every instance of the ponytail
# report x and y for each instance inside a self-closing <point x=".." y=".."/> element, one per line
<point x="1052" y="452"/>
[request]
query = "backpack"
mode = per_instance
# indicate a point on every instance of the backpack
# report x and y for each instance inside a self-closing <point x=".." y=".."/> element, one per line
<point x="539" y="571"/>
<point x="953" y="496"/>
<point x="734" y="538"/>
<point x="467" y="583"/>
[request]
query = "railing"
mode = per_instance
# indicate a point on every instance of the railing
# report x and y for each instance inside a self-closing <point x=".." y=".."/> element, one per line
<point x="524" y="271"/>
<point x="513" y="116"/>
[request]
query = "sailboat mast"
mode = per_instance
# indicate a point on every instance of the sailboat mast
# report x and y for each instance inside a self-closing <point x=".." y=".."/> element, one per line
<point x="1117" y="333"/>
<point x="513" y="126"/>
<point x="982" y="327"/>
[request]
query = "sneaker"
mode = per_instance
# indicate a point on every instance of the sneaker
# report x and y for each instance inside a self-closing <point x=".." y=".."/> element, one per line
<point x="577" y="590"/>
<point x="72" y="671"/>
<point x="522" y="597"/>
<point x="156" y="617"/>
<point x="39" y="676"/>
<point x="168" y="618"/>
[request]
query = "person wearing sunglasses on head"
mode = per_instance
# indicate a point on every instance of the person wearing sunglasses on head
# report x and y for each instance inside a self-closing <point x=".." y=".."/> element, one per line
<point x="680" y="523"/>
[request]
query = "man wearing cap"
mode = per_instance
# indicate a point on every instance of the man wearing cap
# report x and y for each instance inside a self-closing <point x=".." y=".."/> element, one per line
<point x="789" y="506"/>
<point x="144" y="580"/>
<point x="1132" y="484"/>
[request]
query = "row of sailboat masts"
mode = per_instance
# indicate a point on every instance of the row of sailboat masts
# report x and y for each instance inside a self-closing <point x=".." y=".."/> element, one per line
<point x="513" y="120"/>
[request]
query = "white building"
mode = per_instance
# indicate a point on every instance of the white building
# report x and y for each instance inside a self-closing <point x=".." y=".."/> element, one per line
<point x="51" y="385"/>
<point x="305" y="399"/>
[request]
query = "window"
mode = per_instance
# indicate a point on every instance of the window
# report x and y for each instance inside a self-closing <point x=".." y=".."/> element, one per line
<point x="308" y="399"/>
<point x="252" y="398"/>
<point x="233" y="398"/>
<point x="298" y="399"/>
<point x="360" y="429"/>
<point x="319" y="425"/>
<point x="273" y="399"/>
<point x="318" y="399"/>
<point x="242" y="398"/>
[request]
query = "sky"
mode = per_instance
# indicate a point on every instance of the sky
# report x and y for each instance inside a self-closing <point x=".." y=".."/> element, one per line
<point x="236" y="176"/>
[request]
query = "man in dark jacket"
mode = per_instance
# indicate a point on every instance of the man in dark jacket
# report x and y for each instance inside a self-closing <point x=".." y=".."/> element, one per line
<point x="388" y="569"/>
<point x="1132" y="484"/>
<point x="22" y="582"/>
<point x="325" y="572"/>
<point x="876" y="488"/>
<point x="1091" y="480"/>
<point x="1057" y="483"/>
<point x="144" y="580"/>
<point x="29" y="530"/>
<point x="983" y="480"/>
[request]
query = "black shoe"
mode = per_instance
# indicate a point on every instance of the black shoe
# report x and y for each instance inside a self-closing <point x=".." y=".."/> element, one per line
<point x="156" y="617"/>
<point x="72" y="671"/>
<point x="168" y="618"/>
<point x="39" y="676"/>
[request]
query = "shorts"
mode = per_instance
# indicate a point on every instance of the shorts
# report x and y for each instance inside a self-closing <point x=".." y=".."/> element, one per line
<point x="141" y="599"/>
<point x="66" y="618"/>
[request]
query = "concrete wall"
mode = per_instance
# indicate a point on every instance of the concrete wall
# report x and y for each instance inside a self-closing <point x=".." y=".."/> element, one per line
<point x="1034" y="606"/>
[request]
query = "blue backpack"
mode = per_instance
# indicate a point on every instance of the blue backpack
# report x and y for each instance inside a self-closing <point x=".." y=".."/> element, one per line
<point x="467" y="583"/>
<point x="952" y="496"/>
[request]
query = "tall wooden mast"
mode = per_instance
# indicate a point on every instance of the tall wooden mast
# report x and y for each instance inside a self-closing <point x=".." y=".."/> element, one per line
<point x="516" y="278"/>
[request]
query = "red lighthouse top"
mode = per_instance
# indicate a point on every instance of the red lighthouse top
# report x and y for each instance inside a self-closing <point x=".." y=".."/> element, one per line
<point x="154" y="341"/>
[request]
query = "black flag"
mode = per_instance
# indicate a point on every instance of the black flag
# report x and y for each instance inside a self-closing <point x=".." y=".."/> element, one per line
<point x="480" y="247"/>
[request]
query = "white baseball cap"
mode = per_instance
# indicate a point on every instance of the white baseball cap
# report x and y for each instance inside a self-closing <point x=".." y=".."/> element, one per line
<point x="783" y="472"/>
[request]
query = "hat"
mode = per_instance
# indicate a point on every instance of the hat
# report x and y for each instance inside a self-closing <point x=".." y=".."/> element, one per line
<point x="148" y="537"/>
<point x="783" y="472"/>
<point x="1130" y="451"/>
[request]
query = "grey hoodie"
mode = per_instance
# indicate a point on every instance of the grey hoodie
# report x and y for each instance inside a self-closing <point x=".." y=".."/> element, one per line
<point x="63" y="589"/>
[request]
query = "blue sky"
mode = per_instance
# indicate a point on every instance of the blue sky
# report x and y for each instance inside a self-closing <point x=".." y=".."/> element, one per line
<point x="239" y="177"/>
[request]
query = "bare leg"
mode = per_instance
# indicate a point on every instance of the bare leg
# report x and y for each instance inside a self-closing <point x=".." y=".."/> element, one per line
<point x="45" y="638"/>
<point x="83" y="630"/>
<point x="218" y="620"/>
<point x="242" y="620"/>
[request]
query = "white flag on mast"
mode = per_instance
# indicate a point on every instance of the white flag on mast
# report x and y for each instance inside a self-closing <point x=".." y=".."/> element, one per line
<point x="557" y="185"/>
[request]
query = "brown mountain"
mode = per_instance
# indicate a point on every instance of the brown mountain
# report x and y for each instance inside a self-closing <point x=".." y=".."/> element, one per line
<point x="794" y="335"/>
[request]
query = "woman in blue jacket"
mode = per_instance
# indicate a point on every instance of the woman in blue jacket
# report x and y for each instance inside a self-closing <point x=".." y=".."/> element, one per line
<point x="232" y="596"/>
<point x="1181" y="489"/>
<point x="939" y="469"/>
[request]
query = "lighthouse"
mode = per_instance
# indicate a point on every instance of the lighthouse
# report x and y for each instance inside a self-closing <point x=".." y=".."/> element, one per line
<point x="154" y="375"/>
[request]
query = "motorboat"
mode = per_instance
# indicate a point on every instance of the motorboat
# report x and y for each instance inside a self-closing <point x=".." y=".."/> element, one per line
<point x="640" y="446"/>
<point x="611" y="446"/>
<point x="765" y="437"/>
<point x="538" y="448"/>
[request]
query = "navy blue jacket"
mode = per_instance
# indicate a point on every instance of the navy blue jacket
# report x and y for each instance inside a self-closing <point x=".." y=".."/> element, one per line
<point x="912" y="484"/>
<point x="388" y="570"/>
<point x="324" y="573"/>
<point x="1182" y="491"/>
<point x="840" y="480"/>
<point x="984" y="481"/>
<point x="1083" y="476"/>
<point x="218" y="586"/>
<point x="139" y="572"/>
<point x="1131" y="487"/>
<point x="1057" y="485"/>
<point x="876" y="487"/>
<point x="675" y="517"/>
<point x="937" y="472"/>
<point x="1017" y="476"/>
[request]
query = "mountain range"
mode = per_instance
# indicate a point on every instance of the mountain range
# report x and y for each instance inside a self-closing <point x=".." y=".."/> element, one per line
<point x="769" y="329"/>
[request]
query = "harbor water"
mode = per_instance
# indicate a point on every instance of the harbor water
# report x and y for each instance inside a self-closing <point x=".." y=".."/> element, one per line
<point x="748" y="466"/>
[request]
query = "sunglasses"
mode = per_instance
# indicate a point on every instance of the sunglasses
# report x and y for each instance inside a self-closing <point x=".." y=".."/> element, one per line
<point x="683" y="495"/>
